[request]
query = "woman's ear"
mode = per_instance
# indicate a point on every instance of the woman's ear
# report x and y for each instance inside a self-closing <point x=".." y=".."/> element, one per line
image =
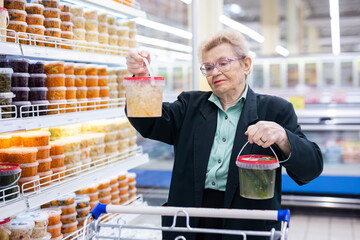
<point x="247" y="65"/>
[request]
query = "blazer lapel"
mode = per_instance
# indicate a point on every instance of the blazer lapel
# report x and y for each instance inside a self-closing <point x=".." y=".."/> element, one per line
<point x="203" y="141"/>
<point x="248" y="117"/>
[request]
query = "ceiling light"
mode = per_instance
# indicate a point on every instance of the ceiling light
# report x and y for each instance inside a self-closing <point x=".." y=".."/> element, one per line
<point x="163" y="43"/>
<point x="187" y="1"/>
<point x="241" y="28"/>
<point x="282" y="51"/>
<point x="235" y="8"/>
<point x="164" y="28"/>
<point x="335" y="26"/>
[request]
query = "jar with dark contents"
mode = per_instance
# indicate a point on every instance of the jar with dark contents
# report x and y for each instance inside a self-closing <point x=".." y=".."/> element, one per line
<point x="5" y="79"/>
<point x="36" y="66"/>
<point x="17" y="15"/>
<point x="21" y="93"/>
<point x="15" y="4"/>
<point x="20" y="79"/>
<point x="38" y="93"/>
<point x="37" y="80"/>
<point x="20" y="65"/>
<point x="40" y="107"/>
<point x="6" y="100"/>
<point x="22" y="108"/>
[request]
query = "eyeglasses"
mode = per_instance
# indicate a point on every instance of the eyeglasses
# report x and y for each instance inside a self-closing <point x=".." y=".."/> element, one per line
<point x="223" y="65"/>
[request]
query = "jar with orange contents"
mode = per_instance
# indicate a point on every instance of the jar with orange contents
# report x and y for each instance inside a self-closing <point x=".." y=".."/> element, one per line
<point x="57" y="161"/>
<point x="69" y="218"/>
<point x="71" y="105"/>
<point x="122" y="176"/>
<point x="82" y="103"/>
<point x="21" y="155"/>
<point x="54" y="215"/>
<point x="71" y="93"/>
<point x="52" y="23"/>
<point x="93" y="92"/>
<point x="67" y="35"/>
<point x="105" y="102"/>
<point x="94" y="103"/>
<point x="69" y="80"/>
<point x="56" y="148"/>
<point x="43" y="152"/>
<point x="93" y="204"/>
<point x="92" y="81"/>
<point x="104" y="192"/>
<point x="93" y="196"/>
<point x="83" y="212"/>
<point x="36" y="29"/>
<point x="31" y="183"/>
<point x="103" y="81"/>
<point x="34" y="8"/>
<point x="58" y="106"/>
<point x="5" y="140"/>
<point x="17" y="26"/>
<point x="131" y="177"/>
<point x="55" y="230"/>
<point x="54" y="67"/>
<point x="55" y="80"/>
<point x="67" y="199"/>
<point x="69" y="68"/>
<point x="17" y="15"/>
<point x="115" y="195"/>
<point x="58" y="173"/>
<point x="66" y="26"/>
<point x="15" y="4"/>
<point x="69" y="228"/>
<point x="80" y="80"/>
<point x="80" y="69"/>
<point x="51" y="12"/>
<point x="65" y="16"/>
<point x="124" y="198"/>
<point x="104" y="92"/>
<point x="81" y="92"/>
<point x="104" y="185"/>
<point x="91" y="70"/>
<point x="29" y="169"/>
<point x="82" y="201"/>
<point x="35" y="138"/>
<point x="56" y="93"/>
<point x="44" y="165"/>
<point x="45" y="177"/>
<point x="64" y="7"/>
<point x="101" y="70"/>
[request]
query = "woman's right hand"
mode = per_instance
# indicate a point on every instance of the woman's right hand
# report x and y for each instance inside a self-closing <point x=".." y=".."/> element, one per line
<point x="135" y="63"/>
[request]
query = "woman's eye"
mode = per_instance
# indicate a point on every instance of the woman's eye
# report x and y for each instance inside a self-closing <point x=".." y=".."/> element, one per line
<point x="208" y="67"/>
<point x="223" y="63"/>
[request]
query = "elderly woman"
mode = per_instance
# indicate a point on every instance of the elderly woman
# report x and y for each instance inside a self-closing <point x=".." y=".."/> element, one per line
<point x="208" y="129"/>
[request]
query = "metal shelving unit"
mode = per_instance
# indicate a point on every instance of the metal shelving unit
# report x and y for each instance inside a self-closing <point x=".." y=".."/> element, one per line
<point x="76" y="179"/>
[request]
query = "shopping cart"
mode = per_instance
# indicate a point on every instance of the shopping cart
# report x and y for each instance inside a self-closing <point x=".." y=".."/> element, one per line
<point x="93" y="229"/>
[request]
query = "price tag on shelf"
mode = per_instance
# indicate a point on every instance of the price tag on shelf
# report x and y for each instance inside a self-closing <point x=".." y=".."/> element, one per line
<point x="297" y="101"/>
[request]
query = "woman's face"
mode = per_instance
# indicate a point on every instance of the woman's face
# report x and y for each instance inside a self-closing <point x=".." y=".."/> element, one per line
<point x="230" y="82"/>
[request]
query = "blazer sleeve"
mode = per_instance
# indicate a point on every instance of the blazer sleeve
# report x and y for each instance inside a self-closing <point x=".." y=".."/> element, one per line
<point x="305" y="162"/>
<point x="163" y="128"/>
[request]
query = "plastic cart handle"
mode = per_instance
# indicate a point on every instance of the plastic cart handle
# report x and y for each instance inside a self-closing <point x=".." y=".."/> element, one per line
<point x="277" y="215"/>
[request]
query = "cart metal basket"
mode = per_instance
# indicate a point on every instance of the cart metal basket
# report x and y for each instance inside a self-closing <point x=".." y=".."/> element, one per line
<point x="92" y="231"/>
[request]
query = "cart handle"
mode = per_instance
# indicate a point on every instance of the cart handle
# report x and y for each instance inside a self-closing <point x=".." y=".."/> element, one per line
<point x="277" y="215"/>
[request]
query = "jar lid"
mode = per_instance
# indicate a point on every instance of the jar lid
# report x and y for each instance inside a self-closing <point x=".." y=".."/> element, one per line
<point x="81" y="199"/>
<point x="39" y="89"/>
<point x="52" y="211"/>
<point x="6" y="70"/>
<point x="43" y="174"/>
<point x="9" y="169"/>
<point x="7" y="95"/>
<point x="28" y="179"/>
<point x="16" y="224"/>
<point x="52" y="9"/>
<point x="37" y="216"/>
<point x="27" y="165"/>
<point x="38" y="75"/>
<point x="21" y="103"/>
<point x="66" y="197"/>
<point x="44" y="160"/>
<point x="257" y="162"/>
<point x="3" y="9"/>
<point x="41" y="102"/>
<point x="18" y="11"/>
<point x="56" y="75"/>
<point x="58" y="156"/>
<point x="56" y="88"/>
<point x="54" y="226"/>
<point x="20" y="75"/>
<point x="36" y="26"/>
<point x="53" y="19"/>
<point x="53" y="29"/>
<point x="6" y="220"/>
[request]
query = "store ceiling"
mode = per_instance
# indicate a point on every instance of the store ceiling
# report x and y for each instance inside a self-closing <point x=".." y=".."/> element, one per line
<point x="316" y="13"/>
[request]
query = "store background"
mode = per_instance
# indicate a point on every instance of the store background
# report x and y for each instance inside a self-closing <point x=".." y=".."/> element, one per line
<point x="296" y="59"/>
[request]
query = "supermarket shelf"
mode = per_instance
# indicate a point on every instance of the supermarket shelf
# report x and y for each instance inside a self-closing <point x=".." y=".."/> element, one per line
<point x="115" y="108"/>
<point x="69" y="185"/>
<point x="111" y="7"/>
<point x="322" y="127"/>
<point x="67" y="55"/>
<point x="24" y="50"/>
<point x="328" y="113"/>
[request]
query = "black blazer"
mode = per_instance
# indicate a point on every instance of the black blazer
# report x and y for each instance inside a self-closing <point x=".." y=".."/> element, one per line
<point x="190" y="124"/>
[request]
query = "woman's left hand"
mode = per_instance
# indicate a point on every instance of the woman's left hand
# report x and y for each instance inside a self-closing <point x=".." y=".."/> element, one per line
<point x="266" y="133"/>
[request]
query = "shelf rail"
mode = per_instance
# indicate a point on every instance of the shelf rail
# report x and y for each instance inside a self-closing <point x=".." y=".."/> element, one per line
<point x="60" y="43"/>
<point x="36" y="186"/>
<point x="39" y="110"/>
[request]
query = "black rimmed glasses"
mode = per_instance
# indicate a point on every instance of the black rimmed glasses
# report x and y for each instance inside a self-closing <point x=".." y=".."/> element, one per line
<point x="222" y="64"/>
